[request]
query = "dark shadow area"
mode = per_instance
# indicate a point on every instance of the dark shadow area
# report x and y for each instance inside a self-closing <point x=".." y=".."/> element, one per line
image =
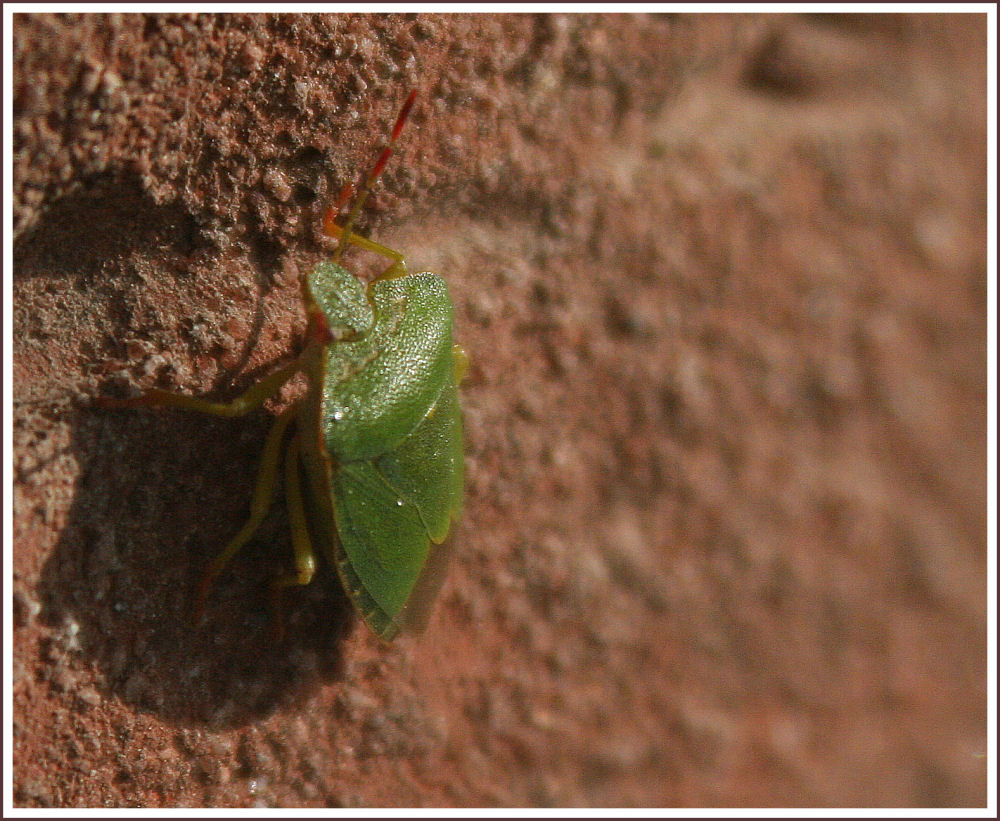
<point x="158" y="493"/>
<point x="91" y="233"/>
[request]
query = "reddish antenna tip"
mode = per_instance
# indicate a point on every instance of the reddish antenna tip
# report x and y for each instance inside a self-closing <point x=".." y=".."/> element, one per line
<point x="404" y="112"/>
<point x="380" y="165"/>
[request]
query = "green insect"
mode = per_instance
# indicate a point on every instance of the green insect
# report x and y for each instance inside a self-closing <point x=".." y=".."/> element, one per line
<point x="377" y="438"/>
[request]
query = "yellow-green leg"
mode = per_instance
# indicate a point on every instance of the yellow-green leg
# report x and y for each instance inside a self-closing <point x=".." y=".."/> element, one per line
<point x="396" y="269"/>
<point x="305" y="557"/>
<point x="460" y="361"/>
<point x="253" y="398"/>
<point x="259" y="506"/>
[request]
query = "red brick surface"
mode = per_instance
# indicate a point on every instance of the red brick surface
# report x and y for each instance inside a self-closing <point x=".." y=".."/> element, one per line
<point x="722" y="281"/>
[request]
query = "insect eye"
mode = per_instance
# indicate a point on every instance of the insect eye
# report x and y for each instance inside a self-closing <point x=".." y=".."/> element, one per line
<point x="319" y="330"/>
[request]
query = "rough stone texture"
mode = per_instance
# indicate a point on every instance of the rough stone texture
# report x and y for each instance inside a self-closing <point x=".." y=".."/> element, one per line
<point x="723" y="283"/>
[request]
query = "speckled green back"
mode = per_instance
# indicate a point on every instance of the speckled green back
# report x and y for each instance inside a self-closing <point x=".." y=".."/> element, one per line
<point x="392" y="427"/>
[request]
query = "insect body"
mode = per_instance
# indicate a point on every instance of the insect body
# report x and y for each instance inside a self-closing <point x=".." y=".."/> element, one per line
<point x="377" y="437"/>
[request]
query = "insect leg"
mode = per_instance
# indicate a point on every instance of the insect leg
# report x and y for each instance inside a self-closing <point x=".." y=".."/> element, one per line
<point x="305" y="557"/>
<point x="258" y="507"/>
<point x="396" y="269"/>
<point x="461" y="362"/>
<point x="253" y="398"/>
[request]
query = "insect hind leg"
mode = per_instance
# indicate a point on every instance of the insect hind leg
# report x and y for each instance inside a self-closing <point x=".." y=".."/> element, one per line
<point x="261" y="503"/>
<point x="305" y="556"/>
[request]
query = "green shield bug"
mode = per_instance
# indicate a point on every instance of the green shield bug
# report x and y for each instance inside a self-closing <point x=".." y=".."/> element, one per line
<point x="373" y="463"/>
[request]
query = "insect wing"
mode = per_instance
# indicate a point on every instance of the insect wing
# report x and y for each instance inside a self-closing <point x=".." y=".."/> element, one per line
<point x="382" y="535"/>
<point x="427" y="468"/>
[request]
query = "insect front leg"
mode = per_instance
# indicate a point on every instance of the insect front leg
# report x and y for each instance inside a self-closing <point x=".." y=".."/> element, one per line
<point x="253" y="398"/>
<point x="259" y="506"/>
<point x="305" y="557"/>
<point x="397" y="267"/>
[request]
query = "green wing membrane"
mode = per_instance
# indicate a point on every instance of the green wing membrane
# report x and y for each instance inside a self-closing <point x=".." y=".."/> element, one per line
<point x="383" y="536"/>
<point x="388" y="512"/>
<point x="427" y="470"/>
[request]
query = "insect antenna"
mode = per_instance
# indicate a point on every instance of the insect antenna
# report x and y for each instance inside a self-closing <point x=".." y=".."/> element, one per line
<point x="369" y="183"/>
